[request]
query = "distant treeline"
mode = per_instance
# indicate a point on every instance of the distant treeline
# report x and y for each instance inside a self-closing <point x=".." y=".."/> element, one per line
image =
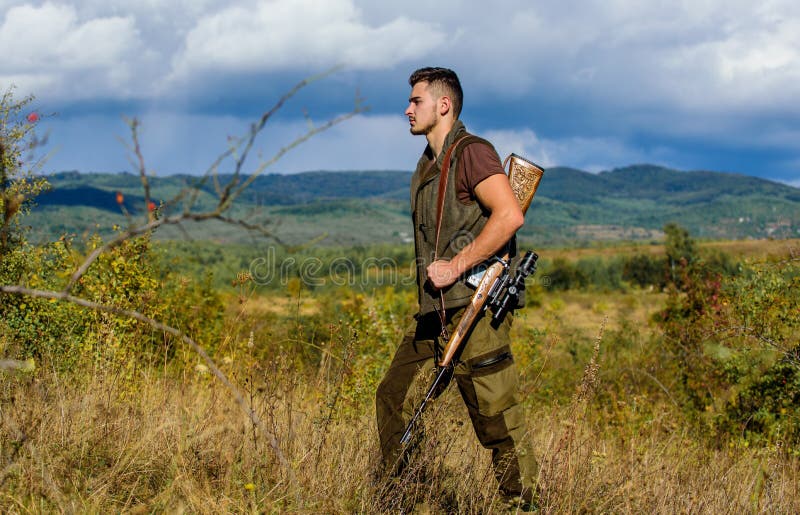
<point x="622" y="272"/>
<point x="366" y="267"/>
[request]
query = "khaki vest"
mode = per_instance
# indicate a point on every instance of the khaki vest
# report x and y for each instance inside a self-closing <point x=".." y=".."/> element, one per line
<point x="461" y="223"/>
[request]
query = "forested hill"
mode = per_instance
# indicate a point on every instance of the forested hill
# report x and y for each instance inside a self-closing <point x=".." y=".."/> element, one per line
<point x="370" y="206"/>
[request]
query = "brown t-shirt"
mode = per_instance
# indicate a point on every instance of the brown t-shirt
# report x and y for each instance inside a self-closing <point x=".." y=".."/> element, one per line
<point x="477" y="162"/>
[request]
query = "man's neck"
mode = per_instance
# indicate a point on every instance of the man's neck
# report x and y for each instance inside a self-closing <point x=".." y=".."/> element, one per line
<point x="437" y="136"/>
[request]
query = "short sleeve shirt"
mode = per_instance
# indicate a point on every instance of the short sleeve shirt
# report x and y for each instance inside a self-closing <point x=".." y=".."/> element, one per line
<point x="477" y="162"/>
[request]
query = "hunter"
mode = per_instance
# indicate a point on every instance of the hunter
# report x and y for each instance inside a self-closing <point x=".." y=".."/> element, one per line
<point x="479" y="218"/>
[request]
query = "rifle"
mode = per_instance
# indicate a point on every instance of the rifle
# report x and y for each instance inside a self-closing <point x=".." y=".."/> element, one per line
<point x="494" y="287"/>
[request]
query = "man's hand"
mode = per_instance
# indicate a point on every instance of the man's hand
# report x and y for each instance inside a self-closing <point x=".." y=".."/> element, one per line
<point x="442" y="273"/>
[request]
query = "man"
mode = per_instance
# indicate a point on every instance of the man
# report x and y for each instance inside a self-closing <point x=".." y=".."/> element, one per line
<point x="479" y="218"/>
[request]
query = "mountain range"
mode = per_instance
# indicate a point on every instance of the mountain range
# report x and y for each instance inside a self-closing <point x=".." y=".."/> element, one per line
<point x="364" y="207"/>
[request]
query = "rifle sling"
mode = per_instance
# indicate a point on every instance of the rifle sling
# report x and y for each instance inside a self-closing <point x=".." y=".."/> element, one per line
<point x="445" y="172"/>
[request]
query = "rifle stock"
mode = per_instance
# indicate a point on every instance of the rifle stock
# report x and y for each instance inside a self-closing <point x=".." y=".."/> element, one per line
<point x="474" y="308"/>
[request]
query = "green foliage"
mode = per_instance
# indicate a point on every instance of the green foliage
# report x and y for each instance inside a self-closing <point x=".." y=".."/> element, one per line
<point x="767" y="408"/>
<point x="761" y="310"/>
<point x="644" y="270"/>
<point x="127" y="277"/>
<point x="18" y="183"/>
<point x="681" y="250"/>
<point x="590" y="273"/>
<point x="318" y="269"/>
<point x="734" y="341"/>
<point x="563" y="275"/>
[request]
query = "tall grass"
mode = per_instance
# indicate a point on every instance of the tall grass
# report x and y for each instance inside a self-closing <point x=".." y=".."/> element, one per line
<point x="173" y="440"/>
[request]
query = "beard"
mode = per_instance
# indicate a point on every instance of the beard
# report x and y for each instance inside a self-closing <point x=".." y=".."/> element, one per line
<point x="422" y="130"/>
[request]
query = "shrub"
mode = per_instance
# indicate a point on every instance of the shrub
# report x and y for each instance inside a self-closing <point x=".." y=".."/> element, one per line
<point x="735" y="346"/>
<point x="126" y="277"/>
<point x="644" y="270"/>
<point x="18" y="182"/>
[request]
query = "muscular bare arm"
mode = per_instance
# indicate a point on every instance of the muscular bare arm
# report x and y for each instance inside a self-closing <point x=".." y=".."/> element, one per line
<point x="505" y="217"/>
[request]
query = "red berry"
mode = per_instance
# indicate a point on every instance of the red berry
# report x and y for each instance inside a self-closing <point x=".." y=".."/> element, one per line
<point x="33" y="117"/>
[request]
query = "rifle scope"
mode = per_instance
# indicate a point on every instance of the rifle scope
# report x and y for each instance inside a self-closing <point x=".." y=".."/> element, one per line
<point x="504" y="300"/>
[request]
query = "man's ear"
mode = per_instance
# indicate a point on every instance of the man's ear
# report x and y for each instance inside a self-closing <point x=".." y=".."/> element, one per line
<point x="445" y="105"/>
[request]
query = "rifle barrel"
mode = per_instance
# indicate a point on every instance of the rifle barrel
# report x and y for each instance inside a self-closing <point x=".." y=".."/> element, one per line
<point x="442" y="376"/>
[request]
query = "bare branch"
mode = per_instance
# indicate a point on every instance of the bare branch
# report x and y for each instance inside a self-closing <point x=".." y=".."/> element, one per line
<point x="131" y="232"/>
<point x="258" y="171"/>
<point x="137" y="152"/>
<point x="239" y="149"/>
<point x="250" y="227"/>
<point x="256" y="128"/>
<point x="142" y="229"/>
<point x="232" y="190"/>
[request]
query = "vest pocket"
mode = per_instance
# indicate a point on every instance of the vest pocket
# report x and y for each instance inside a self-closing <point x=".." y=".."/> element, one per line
<point x="490" y="362"/>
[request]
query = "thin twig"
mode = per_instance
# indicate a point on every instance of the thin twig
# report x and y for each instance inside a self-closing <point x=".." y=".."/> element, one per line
<point x="225" y="203"/>
<point x="137" y="152"/>
<point x="256" y="128"/>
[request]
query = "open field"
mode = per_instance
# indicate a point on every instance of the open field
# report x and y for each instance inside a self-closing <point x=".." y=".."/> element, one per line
<point x="177" y="443"/>
<point x="138" y="424"/>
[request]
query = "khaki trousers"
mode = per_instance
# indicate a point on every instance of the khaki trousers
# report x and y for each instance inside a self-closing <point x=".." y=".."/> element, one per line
<point x="487" y="378"/>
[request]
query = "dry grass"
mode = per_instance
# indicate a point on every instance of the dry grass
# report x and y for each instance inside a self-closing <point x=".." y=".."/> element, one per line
<point x="96" y="441"/>
<point x="584" y="311"/>
<point x="180" y="445"/>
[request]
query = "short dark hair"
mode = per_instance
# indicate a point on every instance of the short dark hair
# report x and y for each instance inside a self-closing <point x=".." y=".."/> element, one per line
<point x="444" y="82"/>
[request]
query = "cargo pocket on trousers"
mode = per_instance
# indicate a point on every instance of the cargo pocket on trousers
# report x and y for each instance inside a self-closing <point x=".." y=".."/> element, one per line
<point x="495" y="382"/>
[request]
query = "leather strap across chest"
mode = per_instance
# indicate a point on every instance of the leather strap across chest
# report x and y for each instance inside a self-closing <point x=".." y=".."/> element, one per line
<point x="443" y="175"/>
<point x="445" y="172"/>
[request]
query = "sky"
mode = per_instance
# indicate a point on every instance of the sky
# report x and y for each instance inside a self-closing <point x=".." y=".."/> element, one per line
<point x="593" y="85"/>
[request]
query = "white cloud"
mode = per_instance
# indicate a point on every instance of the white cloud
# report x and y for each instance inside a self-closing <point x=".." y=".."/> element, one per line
<point x="589" y="154"/>
<point x="291" y="34"/>
<point x="699" y="56"/>
<point x="691" y="55"/>
<point x="523" y="142"/>
<point x="43" y="46"/>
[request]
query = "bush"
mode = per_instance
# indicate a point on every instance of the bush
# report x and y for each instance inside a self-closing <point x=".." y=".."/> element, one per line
<point x="564" y="275"/>
<point x="644" y="270"/>
<point x="127" y="277"/>
<point x="735" y="346"/>
<point x="586" y="273"/>
<point x="18" y="182"/>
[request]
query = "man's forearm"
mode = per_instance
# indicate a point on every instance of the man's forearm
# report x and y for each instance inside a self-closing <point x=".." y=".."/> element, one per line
<point x="499" y="229"/>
